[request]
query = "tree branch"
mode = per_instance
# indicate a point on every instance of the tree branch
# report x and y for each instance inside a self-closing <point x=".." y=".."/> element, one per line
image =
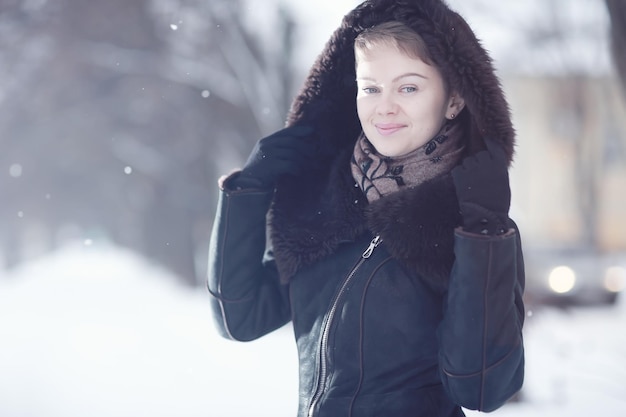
<point x="617" y="14"/>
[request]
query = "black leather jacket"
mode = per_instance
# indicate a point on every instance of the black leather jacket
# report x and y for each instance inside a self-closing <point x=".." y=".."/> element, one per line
<point x="373" y="338"/>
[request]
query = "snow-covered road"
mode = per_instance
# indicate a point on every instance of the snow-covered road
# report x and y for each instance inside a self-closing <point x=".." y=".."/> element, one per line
<point x="99" y="332"/>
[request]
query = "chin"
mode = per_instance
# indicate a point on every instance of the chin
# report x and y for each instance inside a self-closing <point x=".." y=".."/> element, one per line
<point x="385" y="150"/>
<point x="387" y="146"/>
<point x="389" y="153"/>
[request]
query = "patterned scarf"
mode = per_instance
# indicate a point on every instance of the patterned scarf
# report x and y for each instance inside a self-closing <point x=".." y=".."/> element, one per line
<point x="379" y="175"/>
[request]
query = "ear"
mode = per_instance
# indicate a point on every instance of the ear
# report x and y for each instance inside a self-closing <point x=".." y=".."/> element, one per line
<point x="455" y="105"/>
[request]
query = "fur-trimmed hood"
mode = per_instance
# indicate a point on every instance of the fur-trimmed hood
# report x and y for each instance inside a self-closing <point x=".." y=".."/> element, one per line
<point x="316" y="211"/>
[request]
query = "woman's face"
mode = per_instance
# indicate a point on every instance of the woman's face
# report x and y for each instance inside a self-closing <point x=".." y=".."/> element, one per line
<point x="402" y="102"/>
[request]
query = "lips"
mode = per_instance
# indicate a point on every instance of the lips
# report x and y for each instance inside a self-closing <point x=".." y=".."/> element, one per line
<point x="386" y="129"/>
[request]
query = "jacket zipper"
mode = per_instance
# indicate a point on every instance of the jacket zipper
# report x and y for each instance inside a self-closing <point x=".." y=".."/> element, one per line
<point x="321" y="382"/>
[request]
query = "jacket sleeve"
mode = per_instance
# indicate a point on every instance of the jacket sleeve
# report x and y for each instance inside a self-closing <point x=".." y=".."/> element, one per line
<point x="481" y="345"/>
<point x="247" y="298"/>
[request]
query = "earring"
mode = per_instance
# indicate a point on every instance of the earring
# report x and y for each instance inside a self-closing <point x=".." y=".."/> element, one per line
<point x="452" y="116"/>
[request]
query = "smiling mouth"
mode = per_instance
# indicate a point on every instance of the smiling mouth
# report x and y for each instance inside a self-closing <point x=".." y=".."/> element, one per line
<point x="386" y="129"/>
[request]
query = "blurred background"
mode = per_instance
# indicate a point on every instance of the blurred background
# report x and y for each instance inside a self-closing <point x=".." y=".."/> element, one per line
<point x="117" y="118"/>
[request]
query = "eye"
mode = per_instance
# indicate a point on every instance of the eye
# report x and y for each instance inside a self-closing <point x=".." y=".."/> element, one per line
<point x="369" y="90"/>
<point x="408" y="89"/>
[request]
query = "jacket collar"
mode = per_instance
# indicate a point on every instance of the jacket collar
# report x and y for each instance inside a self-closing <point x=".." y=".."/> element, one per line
<point x="416" y="225"/>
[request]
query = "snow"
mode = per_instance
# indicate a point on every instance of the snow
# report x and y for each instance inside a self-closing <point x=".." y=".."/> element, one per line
<point x="100" y="332"/>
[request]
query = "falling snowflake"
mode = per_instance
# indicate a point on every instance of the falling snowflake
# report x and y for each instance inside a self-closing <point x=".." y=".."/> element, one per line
<point x="15" y="170"/>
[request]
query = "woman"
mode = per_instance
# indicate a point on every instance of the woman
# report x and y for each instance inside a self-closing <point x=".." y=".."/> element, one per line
<point x="377" y="222"/>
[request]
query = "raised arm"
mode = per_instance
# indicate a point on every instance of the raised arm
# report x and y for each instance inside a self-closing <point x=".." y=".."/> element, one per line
<point x="481" y="344"/>
<point x="248" y="299"/>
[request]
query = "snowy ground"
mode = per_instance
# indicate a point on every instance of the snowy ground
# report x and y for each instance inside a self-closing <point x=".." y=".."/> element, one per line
<point x="99" y="332"/>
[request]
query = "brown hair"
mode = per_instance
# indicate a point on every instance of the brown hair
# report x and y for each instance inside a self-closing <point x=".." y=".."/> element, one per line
<point x="393" y="33"/>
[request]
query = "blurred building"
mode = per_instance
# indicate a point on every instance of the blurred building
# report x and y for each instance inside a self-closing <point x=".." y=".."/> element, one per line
<point x="569" y="176"/>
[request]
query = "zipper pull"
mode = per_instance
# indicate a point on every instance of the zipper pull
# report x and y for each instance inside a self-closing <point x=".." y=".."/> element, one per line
<point x="370" y="249"/>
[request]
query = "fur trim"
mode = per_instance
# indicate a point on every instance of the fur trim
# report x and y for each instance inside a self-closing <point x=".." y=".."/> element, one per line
<point x="416" y="225"/>
<point x="310" y="227"/>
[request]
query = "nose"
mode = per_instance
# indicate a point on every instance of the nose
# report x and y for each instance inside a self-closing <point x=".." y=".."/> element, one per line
<point x="386" y="104"/>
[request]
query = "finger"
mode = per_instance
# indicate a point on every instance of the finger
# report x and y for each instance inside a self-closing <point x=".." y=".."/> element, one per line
<point x="285" y="140"/>
<point x="495" y="149"/>
<point x="471" y="162"/>
<point x="291" y="146"/>
<point x="287" y="153"/>
<point x="296" y="130"/>
<point x="284" y="154"/>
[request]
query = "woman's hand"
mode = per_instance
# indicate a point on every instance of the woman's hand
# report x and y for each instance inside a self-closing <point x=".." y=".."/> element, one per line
<point x="482" y="187"/>
<point x="285" y="152"/>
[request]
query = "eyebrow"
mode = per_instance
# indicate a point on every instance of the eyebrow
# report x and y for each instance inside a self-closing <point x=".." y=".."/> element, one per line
<point x="408" y="74"/>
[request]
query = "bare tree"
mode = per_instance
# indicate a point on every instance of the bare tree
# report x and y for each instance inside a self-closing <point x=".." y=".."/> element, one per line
<point x="117" y="117"/>
<point x="617" y="14"/>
